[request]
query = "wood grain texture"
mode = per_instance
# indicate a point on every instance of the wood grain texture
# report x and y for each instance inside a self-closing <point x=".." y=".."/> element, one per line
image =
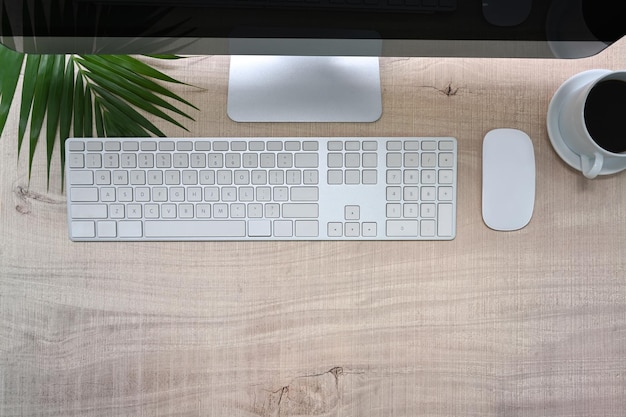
<point x="526" y="323"/>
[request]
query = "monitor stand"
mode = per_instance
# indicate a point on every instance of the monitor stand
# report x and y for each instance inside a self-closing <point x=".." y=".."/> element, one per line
<point x="304" y="89"/>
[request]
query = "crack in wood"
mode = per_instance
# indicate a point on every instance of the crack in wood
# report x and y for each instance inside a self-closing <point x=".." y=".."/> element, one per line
<point x="448" y="90"/>
<point x="25" y="198"/>
<point x="307" y="395"/>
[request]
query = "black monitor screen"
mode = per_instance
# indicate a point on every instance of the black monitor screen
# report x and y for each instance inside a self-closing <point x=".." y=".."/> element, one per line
<point x="533" y="28"/>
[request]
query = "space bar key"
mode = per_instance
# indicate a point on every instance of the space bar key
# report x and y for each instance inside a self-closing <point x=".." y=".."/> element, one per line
<point x="195" y="228"/>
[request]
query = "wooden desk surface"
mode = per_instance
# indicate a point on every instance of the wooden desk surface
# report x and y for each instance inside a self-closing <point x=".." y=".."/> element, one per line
<point x="527" y="323"/>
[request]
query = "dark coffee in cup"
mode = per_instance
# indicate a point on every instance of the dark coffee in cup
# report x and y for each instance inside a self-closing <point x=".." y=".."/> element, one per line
<point x="605" y="115"/>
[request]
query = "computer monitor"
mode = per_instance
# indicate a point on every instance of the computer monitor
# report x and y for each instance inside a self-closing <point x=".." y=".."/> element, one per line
<point x="312" y="60"/>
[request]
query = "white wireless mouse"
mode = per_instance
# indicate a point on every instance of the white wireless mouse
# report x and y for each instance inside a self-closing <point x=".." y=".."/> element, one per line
<point x="508" y="179"/>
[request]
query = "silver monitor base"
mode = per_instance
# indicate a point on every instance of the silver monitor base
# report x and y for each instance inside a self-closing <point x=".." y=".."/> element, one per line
<point x="304" y="89"/>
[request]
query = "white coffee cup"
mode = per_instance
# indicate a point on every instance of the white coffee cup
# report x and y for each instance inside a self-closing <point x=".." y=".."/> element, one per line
<point x="587" y="122"/>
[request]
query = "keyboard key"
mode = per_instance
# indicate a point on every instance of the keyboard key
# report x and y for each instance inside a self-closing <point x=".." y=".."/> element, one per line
<point x="446" y="176"/>
<point x="429" y="176"/>
<point x="195" y="228"/>
<point x="428" y="210"/>
<point x="84" y="195"/>
<point x="274" y="146"/>
<point x="307" y="228"/>
<point x="260" y="228"/>
<point x="138" y="177"/>
<point x="306" y="160"/>
<point x="445" y="194"/>
<point x="353" y="176"/>
<point x="211" y="194"/>
<point x="370" y="145"/>
<point x="93" y="160"/>
<point x="76" y="146"/>
<point x="146" y="160"/>
<point x="411" y="176"/>
<point x="335" y="229"/>
<point x="163" y="160"/>
<point x="255" y="210"/>
<point x="394" y="160"/>
<point x="88" y="211"/>
<point x="352" y="145"/>
<point x="283" y="228"/>
<point x="82" y="229"/>
<point x="352" y="229"/>
<point x="294" y="177"/>
<point x="166" y="146"/>
<point x="335" y="146"/>
<point x="181" y="160"/>
<point x="394" y="145"/>
<point x="352" y="212"/>
<point x="151" y="211"/>
<point x="103" y="177"/>
<point x="310" y="146"/>
<point x="428" y="193"/>
<point x="250" y="160"/>
<point x="216" y="160"/>
<point x="411" y="160"/>
<point x="394" y="210"/>
<point x="370" y="177"/>
<point x="148" y="145"/>
<point x="410" y="210"/>
<point x="445" y="220"/>
<point x="335" y="177"/>
<point x="108" y="194"/>
<point x="117" y="211"/>
<point x="292" y="146"/>
<point x="111" y="161"/>
<point x="81" y="178"/>
<point x="256" y="146"/>
<point x="76" y="161"/>
<point x="184" y="145"/>
<point x="353" y="160"/>
<point x="107" y="229"/>
<point x="304" y="194"/>
<point x="129" y="160"/>
<point x="446" y="160"/>
<point x="402" y="228"/>
<point x="370" y="160"/>
<point x="335" y="160"/>
<point x="429" y="160"/>
<point x="134" y="211"/>
<point x="268" y="160"/>
<point x="427" y="228"/>
<point x="232" y="160"/>
<point x="369" y="229"/>
<point x="310" y="177"/>
<point x="394" y="193"/>
<point x="168" y="211"/>
<point x="94" y="145"/>
<point x="295" y="211"/>
<point x="185" y="211"/>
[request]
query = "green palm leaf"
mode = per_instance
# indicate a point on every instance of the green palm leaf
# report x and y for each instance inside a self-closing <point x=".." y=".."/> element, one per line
<point x="55" y="99"/>
<point x="11" y="67"/>
<point x="106" y="96"/>
<point x="28" y="94"/>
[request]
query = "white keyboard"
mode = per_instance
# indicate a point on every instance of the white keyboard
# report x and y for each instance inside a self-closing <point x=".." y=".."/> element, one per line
<point x="261" y="189"/>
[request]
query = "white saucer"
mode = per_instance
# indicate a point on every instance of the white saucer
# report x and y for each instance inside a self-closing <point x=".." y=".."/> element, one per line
<point x="554" y="110"/>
